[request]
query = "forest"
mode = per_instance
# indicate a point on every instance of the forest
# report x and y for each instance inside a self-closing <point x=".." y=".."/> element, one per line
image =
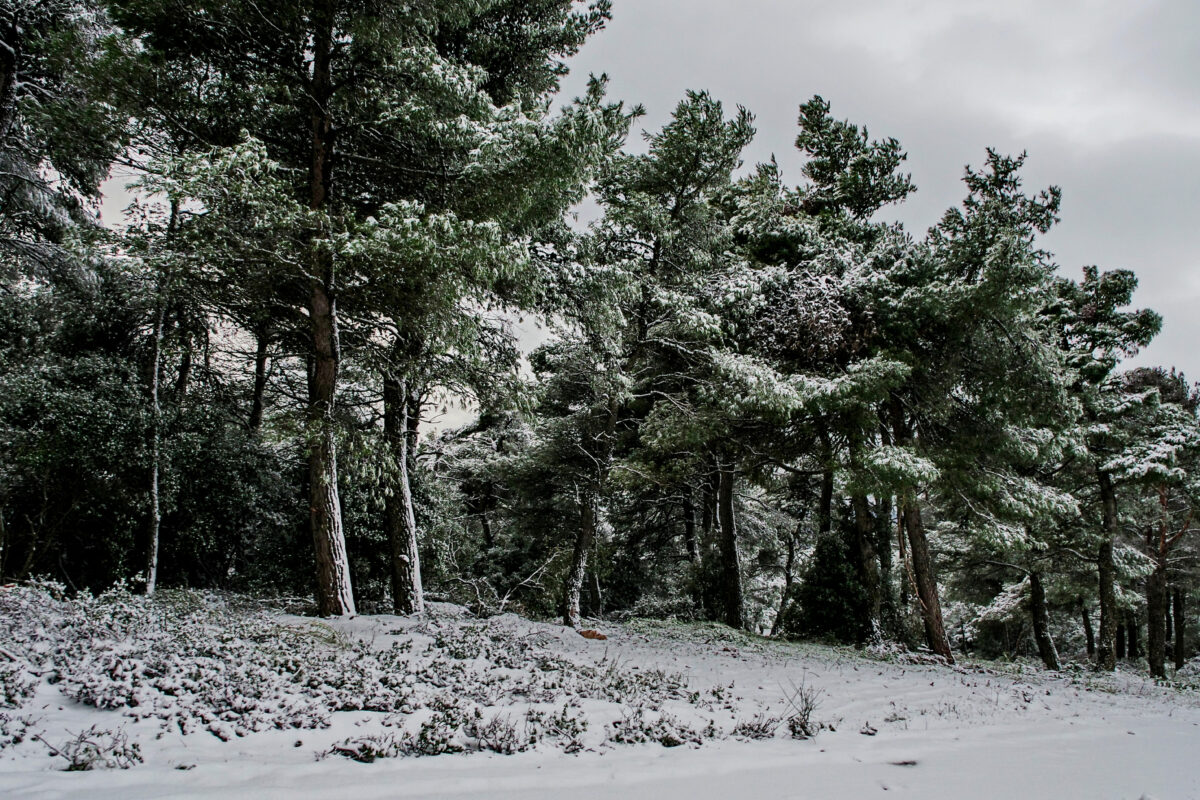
<point x="722" y="395"/>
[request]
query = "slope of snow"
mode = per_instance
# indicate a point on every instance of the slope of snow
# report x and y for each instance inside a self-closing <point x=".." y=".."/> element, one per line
<point x="890" y="727"/>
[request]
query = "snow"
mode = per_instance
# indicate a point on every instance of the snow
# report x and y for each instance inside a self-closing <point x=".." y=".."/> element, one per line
<point x="893" y="726"/>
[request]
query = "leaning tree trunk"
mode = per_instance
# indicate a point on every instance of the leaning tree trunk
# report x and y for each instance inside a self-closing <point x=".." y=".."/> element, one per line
<point x="1041" y="622"/>
<point x="731" y="567"/>
<point x="1106" y="646"/>
<point x="585" y="534"/>
<point x="1177" y="608"/>
<point x="408" y="596"/>
<point x="1156" y="627"/>
<point x="926" y="580"/>
<point x="334" y="594"/>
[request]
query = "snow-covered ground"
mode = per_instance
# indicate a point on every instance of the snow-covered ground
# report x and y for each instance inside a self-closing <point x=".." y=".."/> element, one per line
<point x="885" y="726"/>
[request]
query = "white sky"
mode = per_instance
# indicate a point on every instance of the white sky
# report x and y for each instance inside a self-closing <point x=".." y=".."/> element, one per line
<point x="1104" y="95"/>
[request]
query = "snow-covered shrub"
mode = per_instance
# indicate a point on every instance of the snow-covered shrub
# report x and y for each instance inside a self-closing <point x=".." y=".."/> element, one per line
<point x="17" y="681"/>
<point x="566" y="727"/>
<point x="760" y="726"/>
<point x="636" y="726"/>
<point x="15" y="729"/>
<point x="97" y="749"/>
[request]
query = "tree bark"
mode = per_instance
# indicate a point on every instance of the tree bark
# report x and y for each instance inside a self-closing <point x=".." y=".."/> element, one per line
<point x="1088" y="634"/>
<point x="1132" y="638"/>
<point x="260" y="379"/>
<point x="1157" y="607"/>
<point x="585" y="534"/>
<point x="154" y="512"/>
<point x="1106" y="645"/>
<point x="731" y="568"/>
<point x="789" y="578"/>
<point x="689" y="528"/>
<point x="868" y="565"/>
<point x="926" y="580"/>
<point x="334" y="593"/>
<point x="1041" y="622"/>
<point x="408" y="596"/>
<point x="10" y="62"/>
<point x="1177" y="608"/>
<point x="154" y="515"/>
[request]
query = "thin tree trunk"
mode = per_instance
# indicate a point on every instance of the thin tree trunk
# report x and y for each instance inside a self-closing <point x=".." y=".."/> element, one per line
<point x="585" y="534"/>
<point x="1177" y="604"/>
<point x="183" y="380"/>
<point x="1167" y="626"/>
<point x="868" y="565"/>
<point x="154" y="515"/>
<point x="689" y="528"/>
<point x="1133" y="639"/>
<point x="260" y="379"/>
<point x="731" y="567"/>
<point x="708" y="507"/>
<point x="1121" y="631"/>
<point x="789" y="567"/>
<point x="1106" y="653"/>
<point x="334" y="593"/>
<point x="1041" y="622"/>
<point x="1088" y="634"/>
<point x="905" y="562"/>
<point x="1157" y="607"/>
<point x="10" y="62"/>
<point x="408" y="596"/>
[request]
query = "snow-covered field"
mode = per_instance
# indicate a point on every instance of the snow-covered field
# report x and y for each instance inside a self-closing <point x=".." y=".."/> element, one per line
<point x="223" y="698"/>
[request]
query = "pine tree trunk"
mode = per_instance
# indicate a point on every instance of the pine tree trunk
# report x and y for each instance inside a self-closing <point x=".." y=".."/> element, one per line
<point x="926" y="580"/>
<point x="1156" y="612"/>
<point x="1106" y="653"/>
<point x="868" y="565"/>
<point x="689" y="528"/>
<point x="1089" y="635"/>
<point x="1167" y="623"/>
<point x="260" y="380"/>
<point x="334" y="594"/>
<point x="883" y="547"/>
<point x="183" y="380"/>
<point x="408" y="596"/>
<point x="1041" y="622"/>
<point x="154" y="513"/>
<point x="1121" y="641"/>
<point x="1177" y="604"/>
<point x="731" y="567"/>
<point x="789" y="568"/>
<point x="1132" y="638"/>
<point x="585" y="534"/>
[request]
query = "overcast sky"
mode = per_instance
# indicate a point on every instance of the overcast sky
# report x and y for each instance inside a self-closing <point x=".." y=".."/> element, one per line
<point x="1104" y="96"/>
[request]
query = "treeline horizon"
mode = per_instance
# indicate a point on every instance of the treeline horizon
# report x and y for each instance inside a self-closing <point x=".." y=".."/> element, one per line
<point x="759" y="404"/>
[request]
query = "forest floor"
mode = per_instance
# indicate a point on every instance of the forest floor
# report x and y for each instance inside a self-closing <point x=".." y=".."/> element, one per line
<point x="206" y="696"/>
